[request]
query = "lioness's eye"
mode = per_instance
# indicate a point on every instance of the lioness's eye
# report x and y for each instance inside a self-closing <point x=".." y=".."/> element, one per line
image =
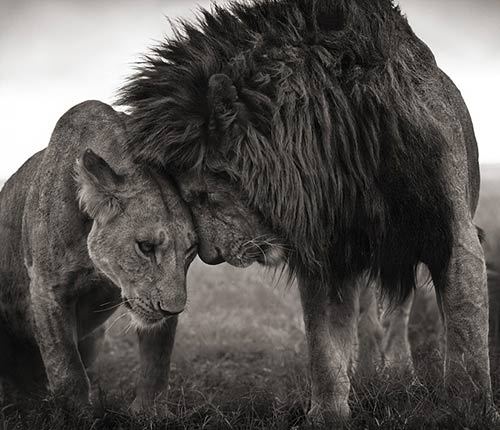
<point x="147" y="248"/>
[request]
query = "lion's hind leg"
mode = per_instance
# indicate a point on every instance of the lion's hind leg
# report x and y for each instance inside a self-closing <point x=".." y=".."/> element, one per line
<point x="463" y="298"/>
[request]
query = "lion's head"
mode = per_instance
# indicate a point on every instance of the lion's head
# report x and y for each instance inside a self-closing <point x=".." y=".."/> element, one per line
<point x="142" y="236"/>
<point x="226" y="228"/>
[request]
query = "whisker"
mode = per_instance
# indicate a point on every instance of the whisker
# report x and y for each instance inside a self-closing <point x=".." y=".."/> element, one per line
<point x="116" y="305"/>
<point x="262" y="252"/>
<point x="271" y="240"/>
<point x="272" y="243"/>
<point x="119" y="317"/>
<point x="248" y="242"/>
<point x="106" y="303"/>
<point x="129" y="326"/>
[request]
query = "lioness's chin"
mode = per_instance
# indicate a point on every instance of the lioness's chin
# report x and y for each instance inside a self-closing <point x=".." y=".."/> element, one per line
<point x="145" y="323"/>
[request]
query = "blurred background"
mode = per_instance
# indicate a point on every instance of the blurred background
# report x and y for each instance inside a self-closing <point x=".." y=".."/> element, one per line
<point x="55" y="54"/>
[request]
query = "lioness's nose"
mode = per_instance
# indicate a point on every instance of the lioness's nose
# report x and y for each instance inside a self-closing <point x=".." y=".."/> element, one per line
<point x="168" y="312"/>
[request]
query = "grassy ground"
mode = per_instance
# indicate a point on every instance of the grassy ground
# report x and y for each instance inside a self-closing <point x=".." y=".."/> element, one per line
<point x="240" y="362"/>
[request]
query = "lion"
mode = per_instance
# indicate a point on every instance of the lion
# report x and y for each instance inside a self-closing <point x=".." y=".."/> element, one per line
<point x="329" y="124"/>
<point x="77" y="243"/>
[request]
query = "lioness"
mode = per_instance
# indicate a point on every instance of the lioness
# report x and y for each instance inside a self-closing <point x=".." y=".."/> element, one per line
<point x="80" y="235"/>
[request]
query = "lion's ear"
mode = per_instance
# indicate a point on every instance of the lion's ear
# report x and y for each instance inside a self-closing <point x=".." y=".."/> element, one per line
<point x="97" y="184"/>
<point x="223" y="102"/>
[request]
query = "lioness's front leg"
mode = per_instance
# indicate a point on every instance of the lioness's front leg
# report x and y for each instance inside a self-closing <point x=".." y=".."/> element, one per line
<point x="155" y="349"/>
<point x="331" y="333"/>
<point x="463" y="297"/>
<point x="55" y="332"/>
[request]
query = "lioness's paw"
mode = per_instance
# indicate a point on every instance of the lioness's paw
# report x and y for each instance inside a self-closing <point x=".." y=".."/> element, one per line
<point x="328" y="417"/>
<point x="72" y="397"/>
<point x="79" y="406"/>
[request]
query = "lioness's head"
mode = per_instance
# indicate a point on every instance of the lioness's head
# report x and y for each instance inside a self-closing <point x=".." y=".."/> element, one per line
<point x="142" y="236"/>
<point x="228" y="230"/>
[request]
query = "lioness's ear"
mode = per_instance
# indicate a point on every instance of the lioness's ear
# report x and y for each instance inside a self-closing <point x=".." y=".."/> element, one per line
<point x="222" y="102"/>
<point x="98" y="184"/>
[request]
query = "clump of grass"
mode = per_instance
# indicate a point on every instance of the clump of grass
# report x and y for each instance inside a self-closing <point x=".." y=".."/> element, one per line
<point x="395" y="401"/>
<point x="383" y="401"/>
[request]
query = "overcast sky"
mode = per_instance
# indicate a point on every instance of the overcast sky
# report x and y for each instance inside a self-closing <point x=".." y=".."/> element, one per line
<point x="55" y="54"/>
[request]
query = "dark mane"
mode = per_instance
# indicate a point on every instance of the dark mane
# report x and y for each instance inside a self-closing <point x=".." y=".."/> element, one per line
<point x="328" y="132"/>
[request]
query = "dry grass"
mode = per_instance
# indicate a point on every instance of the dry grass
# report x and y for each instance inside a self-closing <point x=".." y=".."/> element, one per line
<point x="240" y="363"/>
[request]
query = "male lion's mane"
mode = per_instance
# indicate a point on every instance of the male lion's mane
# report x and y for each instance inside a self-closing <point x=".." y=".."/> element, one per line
<point x="318" y="110"/>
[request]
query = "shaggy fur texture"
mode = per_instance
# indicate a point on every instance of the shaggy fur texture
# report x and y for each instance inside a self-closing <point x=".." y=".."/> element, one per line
<point x="316" y="109"/>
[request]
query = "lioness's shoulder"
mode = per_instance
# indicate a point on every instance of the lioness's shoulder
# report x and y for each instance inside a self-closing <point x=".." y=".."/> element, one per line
<point x="93" y="113"/>
<point x="88" y="125"/>
<point x="51" y="214"/>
